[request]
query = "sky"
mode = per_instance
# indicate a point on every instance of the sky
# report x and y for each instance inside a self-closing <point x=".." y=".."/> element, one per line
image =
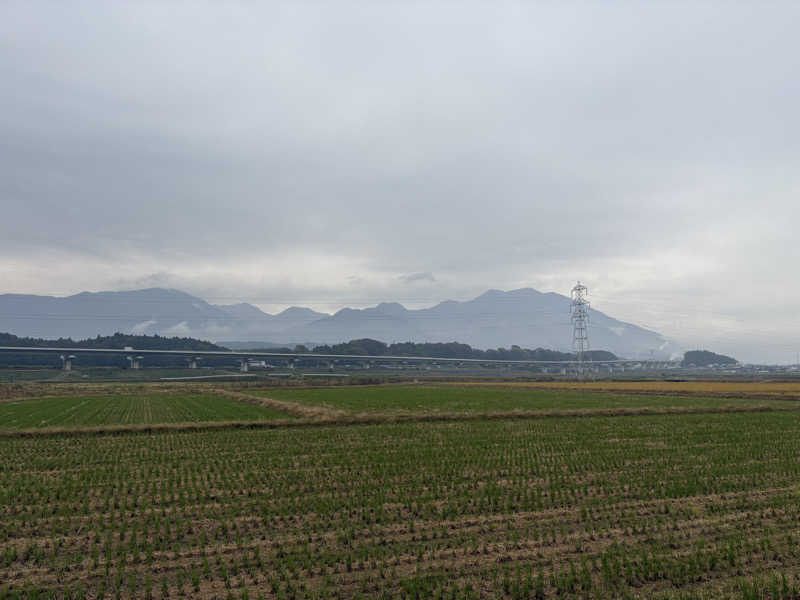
<point x="342" y="154"/>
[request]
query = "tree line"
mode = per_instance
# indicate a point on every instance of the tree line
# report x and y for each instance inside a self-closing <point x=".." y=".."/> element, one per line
<point x="362" y="347"/>
<point x="371" y="347"/>
<point x="705" y="358"/>
<point x="116" y="341"/>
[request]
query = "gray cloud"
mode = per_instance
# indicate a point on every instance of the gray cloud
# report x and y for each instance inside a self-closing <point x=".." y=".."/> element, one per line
<point x="418" y="277"/>
<point x="310" y="154"/>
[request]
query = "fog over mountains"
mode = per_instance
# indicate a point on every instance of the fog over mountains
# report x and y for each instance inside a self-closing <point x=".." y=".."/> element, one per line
<point x="524" y="317"/>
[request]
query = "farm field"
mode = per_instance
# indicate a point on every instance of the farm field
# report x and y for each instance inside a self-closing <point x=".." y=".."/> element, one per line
<point x="480" y="398"/>
<point x="743" y="388"/>
<point x="128" y="409"/>
<point x="105" y="374"/>
<point x="643" y="506"/>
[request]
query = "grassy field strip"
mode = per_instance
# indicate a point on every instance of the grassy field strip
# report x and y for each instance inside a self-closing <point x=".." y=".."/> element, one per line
<point x="90" y="431"/>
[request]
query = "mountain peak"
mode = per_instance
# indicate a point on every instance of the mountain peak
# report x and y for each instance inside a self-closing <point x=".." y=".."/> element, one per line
<point x="243" y="310"/>
<point x="496" y="318"/>
<point x="391" y="308"/>
<point x="300" y="310"/>
<point x="521" y="292"/>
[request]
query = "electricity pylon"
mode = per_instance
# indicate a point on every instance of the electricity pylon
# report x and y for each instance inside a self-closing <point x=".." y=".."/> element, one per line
<point x="579" y="312"/>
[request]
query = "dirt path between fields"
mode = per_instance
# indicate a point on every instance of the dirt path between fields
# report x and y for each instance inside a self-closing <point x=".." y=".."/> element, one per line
<point x="292" y="408"/>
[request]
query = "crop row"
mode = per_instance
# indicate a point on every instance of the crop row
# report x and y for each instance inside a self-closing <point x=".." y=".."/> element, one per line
<point x="594" y="507"/>
<point x="128" y="409"/>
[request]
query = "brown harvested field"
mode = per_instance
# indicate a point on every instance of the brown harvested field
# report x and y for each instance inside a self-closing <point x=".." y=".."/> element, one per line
<point x="676" y="504"/>
<point x="708" y="388"/>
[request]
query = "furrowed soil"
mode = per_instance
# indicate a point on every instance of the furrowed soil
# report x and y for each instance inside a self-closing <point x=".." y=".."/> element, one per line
<point x="667" y="505"/>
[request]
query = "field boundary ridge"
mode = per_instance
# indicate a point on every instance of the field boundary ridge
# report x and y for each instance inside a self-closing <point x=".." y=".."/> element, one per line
<point x="293" y="408"/>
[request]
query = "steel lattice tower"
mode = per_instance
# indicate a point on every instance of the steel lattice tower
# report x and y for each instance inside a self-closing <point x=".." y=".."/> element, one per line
<point x="579" y="312"/>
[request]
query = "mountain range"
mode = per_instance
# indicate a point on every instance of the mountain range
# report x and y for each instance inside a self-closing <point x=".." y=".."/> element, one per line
<point x="523" y="317"/>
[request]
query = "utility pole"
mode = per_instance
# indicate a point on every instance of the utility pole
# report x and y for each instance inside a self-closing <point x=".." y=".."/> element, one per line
<point x="579" y="312"/>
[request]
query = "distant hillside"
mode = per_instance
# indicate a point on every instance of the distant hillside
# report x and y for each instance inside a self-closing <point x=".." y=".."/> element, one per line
<point x="525" y="317"/>
<point x="118" y="340"/>
<point x="143" y="312"/>
<point x="704" y="358"/>
<point x="370" y="347"/>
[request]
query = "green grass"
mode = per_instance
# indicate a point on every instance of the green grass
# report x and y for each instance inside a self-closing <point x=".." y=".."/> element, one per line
<point x="129" y="409"/>
<point x="432" y="399"/>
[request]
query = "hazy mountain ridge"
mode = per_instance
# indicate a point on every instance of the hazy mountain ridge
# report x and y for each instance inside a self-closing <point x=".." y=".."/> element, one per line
<point x="524" y="317"/>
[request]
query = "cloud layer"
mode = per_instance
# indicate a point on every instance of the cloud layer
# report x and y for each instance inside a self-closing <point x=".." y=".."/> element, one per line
<point x="344" y="154"/>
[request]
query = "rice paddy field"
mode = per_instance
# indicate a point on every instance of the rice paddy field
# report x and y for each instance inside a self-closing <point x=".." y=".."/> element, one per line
<point x="499" y="398"/>
<point x="700" y="502"/>
<point x="128" y="409"/>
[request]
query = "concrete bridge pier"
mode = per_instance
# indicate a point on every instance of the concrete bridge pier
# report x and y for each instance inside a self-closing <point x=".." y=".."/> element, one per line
<point x="244" y="365"/>
<point x="193" y="362"/>
<point x="66" y="362"/>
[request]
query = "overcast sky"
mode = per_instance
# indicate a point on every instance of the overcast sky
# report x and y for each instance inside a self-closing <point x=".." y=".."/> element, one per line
<point x="332" y="154"/>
